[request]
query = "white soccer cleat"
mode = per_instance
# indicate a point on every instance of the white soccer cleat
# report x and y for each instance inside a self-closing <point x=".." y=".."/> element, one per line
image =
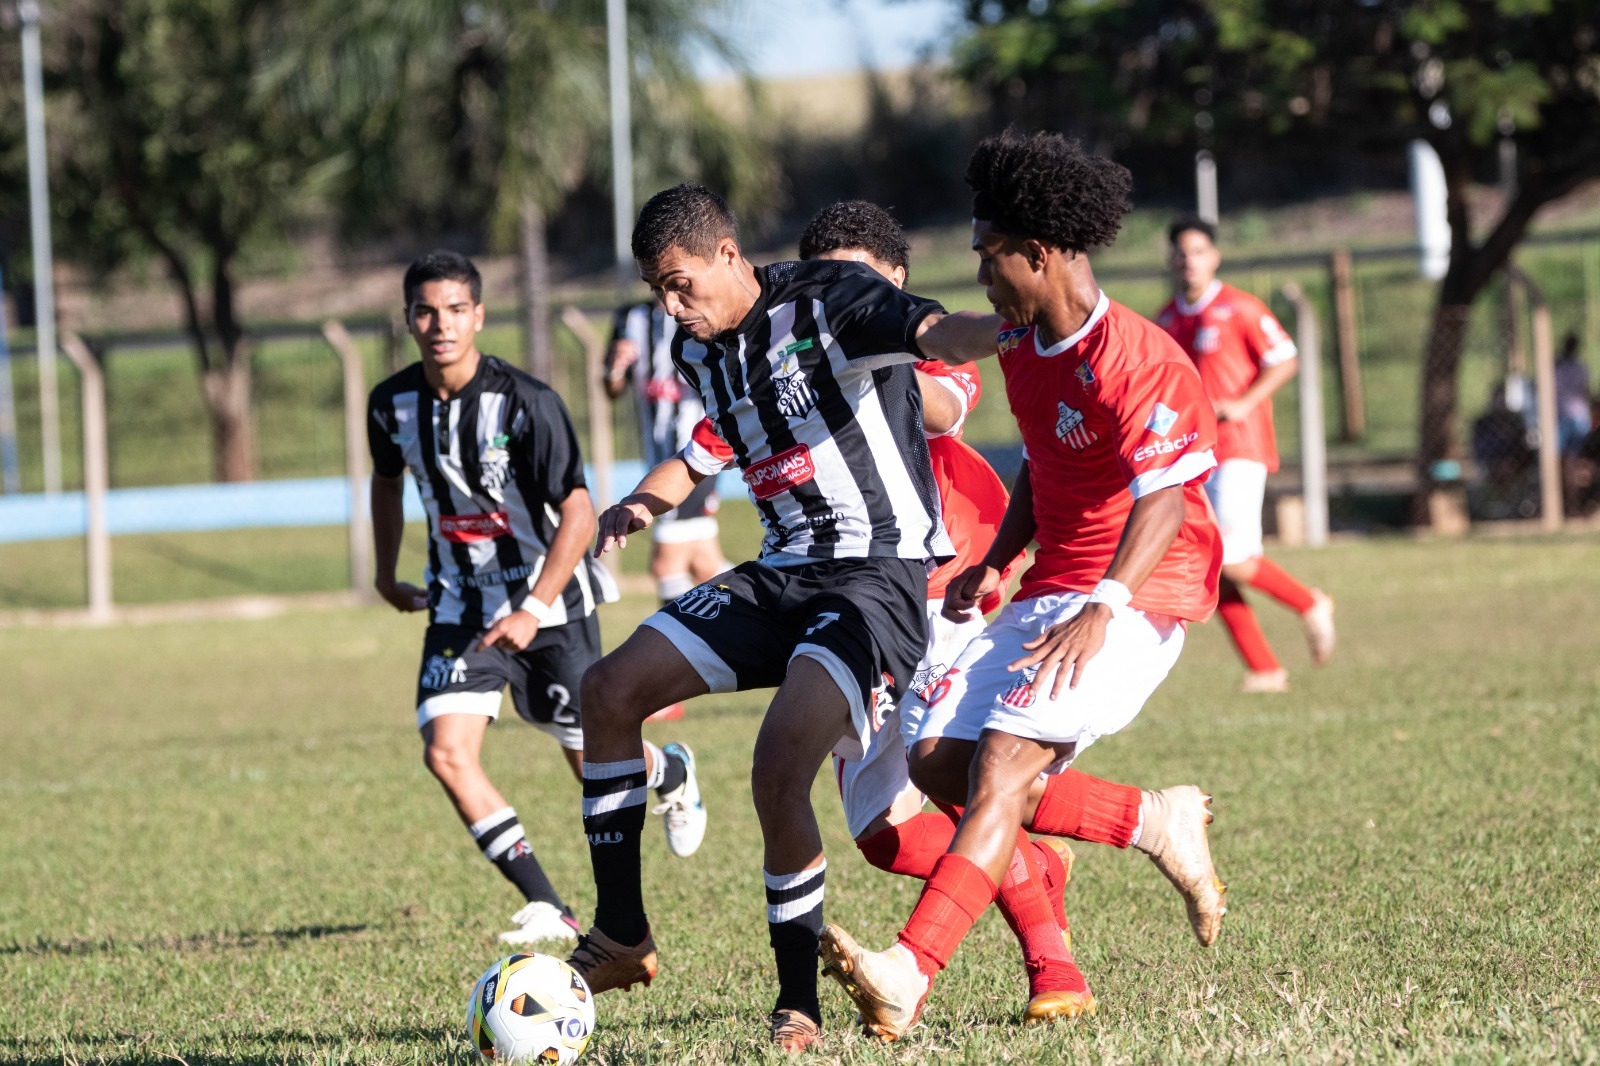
<point x="681" y="810"/>
<point x="1318" y="622"/>
<point x="1256" y="682"/>
<point x="540" y="923"/>
<point x="1183" y="854"/>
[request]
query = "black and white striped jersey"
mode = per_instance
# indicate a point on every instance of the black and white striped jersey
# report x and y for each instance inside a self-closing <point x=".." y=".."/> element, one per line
<point x="814" y="398"/>
<point x="492" y="464"/>
<point x="668" y="408"/>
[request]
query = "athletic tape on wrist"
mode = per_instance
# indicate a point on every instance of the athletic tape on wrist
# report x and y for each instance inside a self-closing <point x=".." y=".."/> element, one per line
<point x="1114" y="594"/>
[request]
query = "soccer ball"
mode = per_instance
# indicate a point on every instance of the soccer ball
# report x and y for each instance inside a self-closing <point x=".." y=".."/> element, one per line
<point x="531" y="1008"/>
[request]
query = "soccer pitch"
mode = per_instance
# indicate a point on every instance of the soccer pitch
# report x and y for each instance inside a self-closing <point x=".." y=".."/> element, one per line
<point x="220" y="846"/>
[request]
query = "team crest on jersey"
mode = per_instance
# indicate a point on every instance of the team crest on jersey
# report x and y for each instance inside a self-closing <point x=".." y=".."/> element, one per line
<point x="704" y="601"/>
<point x="1084" y="374"/>
<point x="795" y="398"/>
<point x="1020" y="695"/>
<point x="1070" y="428"/>
<point x="494" y="466"/>
<point x="1009" y="339"/>
<point x="924" y="680"/>
<point x="441" y="671"/>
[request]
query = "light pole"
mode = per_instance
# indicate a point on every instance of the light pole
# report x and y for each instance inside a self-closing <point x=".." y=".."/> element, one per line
<point x="44" y="295"/>
<point x="621" y="138"/>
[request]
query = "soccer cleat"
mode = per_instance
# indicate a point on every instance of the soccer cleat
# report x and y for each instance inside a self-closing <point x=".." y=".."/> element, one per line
<point x="887" y="987"/>
<point x="540" y="922"/>
<point x="672" y="712"/>
<point x="1048" y="1006"/>
<point x="681" y="810"/>
<point x="793" y="1031"/>
<point x="1257" y="681"/>
<point x="1318" y="621"/>
<point x="1185" y="858"/>
<point x="606" y="964"/>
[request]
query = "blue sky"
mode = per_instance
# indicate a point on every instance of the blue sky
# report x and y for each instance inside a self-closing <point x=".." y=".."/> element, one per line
<point x="804" y="37"/>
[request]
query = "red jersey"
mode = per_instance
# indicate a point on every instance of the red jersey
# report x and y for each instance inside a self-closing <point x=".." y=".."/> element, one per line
<point x="1112" y="413"/>
<point x="1231" y="336"/>
<point x="971" y="494"/>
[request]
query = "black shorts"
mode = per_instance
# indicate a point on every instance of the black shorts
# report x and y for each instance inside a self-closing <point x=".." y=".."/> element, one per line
<point x="544" y="677"/>
<point x="864" y="620"/>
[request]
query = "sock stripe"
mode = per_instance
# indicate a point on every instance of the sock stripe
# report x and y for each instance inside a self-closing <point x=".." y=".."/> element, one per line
<point x="604" y="771"/>
<point x="483" y="825"/>
<point x="783" y="881"/>
<point x="778" y="913"/>
<point x="658" y="771"/>
<point x="503" y="842"/>
<point x="615" y="801"/>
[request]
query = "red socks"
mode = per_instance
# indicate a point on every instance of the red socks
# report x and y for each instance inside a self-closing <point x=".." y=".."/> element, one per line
<point x="1081" y="807"/>
<point x="912" y="847"/>
<point x="1242" y="626"/>
<point x="956" y="893"/>
<point x="1275" y="581"/>
<point x="1033" y="913"/>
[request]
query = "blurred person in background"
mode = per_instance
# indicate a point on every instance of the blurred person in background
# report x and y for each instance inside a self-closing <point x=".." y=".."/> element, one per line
<point x="1244" y="356"/>
<point x="1572" y="418"/>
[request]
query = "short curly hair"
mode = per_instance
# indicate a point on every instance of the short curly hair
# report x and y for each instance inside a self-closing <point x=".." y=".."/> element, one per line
<point x="687" y="216"/>
<point x="1044" y="186"/>
<point x="857" y="224"/>
<point x="1190" y="223"/>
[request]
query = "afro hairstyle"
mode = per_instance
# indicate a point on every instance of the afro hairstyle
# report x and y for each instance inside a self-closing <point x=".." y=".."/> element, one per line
<point x="857" y="224"/>
<point x="1046" y="187"/>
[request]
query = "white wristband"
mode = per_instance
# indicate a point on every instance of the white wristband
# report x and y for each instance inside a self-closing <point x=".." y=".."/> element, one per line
<point x="1114" y="594"/>
<point x="535" y="606"/>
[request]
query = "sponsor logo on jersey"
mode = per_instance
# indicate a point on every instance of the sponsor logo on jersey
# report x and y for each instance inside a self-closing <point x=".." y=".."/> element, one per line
<point x="471" y="528"/>
<point x="795" y="398"/>
<point x="1070" y="428"/>
<point x="1020" y="695"/>
<point x="1207" y="339"/>
<point x="1010" y="338"/>
<point x="1161" y="420"/>
<point x="1165" y="447"/>
<point x="659" y="390"/>
<point x="1084" y="374"/>
<point x="490" y="578"/>
<point x="442" y="671"/>
<point x="704" y="601"/>
<point x="780" y="473"/>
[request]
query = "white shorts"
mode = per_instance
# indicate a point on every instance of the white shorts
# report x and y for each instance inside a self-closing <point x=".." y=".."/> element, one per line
<point x="487" y="704"/>
<point x="979" y="693"/>
<point x="871" y="784"/>
<point x="1238" y="488"/>
<point x="684" y="530"/>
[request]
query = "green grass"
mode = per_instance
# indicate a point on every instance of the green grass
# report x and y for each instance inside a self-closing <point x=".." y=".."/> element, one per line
<point x="220" y="846"/>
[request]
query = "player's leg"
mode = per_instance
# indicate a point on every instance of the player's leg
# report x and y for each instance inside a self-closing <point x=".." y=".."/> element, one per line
<point x="720" y="640"/>
<point x="455" y="705"/>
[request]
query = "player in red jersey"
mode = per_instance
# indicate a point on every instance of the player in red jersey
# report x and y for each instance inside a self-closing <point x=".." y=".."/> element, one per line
<point x="1118" y="437"/>
<point x="1244" y="356"/>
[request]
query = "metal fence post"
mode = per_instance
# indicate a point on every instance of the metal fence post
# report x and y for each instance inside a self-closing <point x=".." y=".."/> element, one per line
<point x="1313" y="439"/>
<point x="355" y="453"/>
<point x="96" y="475"/>
<point x="1341" y="273"/>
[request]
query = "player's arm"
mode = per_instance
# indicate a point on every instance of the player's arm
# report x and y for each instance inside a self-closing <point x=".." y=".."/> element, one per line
<point x="958" y="337"/>
<point x="1268" y="381"/>
<point x="662" y="489"/>
<point x="1017" y="527"/>
<point x="620" y="358"/>
<point x="517" y="630"/>
<point x="388" y="529"/>
<point x="942" y="410"/>
<point x="1274" y="353"/>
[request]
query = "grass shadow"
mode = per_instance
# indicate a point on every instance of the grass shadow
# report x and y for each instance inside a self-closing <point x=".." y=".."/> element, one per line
<point x="194" y="943"/>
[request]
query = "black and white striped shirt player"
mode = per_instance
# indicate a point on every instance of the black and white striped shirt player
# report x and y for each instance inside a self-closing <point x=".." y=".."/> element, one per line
<point x="814" y="398"/>
<point x="491" y="464"/>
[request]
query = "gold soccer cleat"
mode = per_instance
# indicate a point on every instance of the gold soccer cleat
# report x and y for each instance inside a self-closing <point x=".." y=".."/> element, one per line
<point x="1184" y="857"/>
<point x="606" y="964"/>
<point x="886" y="986"/>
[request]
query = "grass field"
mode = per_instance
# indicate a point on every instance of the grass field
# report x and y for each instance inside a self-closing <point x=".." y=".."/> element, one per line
<point x="220" y="846"/>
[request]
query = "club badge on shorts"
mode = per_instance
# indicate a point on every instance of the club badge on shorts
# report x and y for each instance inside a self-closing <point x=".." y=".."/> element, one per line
<point x="704" y="601"/>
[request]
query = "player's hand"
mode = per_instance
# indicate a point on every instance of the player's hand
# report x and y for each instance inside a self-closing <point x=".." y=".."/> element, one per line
<point x="514" y="632"/>
<point x="624" y="353"/>
<point x="1230" y="410"/>
<point x="1065" y="648"/>
<point x="968" y="589"/>
<point x="617" y="522"/>
<point x="401" y="596"/>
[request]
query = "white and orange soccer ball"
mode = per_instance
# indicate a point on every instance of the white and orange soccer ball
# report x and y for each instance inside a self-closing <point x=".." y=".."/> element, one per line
<point x="531" y="1008"/>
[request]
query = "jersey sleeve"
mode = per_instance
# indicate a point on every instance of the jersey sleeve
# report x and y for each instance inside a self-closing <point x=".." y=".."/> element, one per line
<point x="707" y="453"/>
<point x="869" y="317"/>
<point x="387" y="459"/>
<point x="1264" y="336"/>
<point x="1166" y="431"/>
<point x="547" y="445"/>
<point x="961" y="381"/>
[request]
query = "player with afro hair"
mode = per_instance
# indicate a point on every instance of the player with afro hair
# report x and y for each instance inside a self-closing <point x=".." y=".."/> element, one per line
<point x="1046" y="186"/>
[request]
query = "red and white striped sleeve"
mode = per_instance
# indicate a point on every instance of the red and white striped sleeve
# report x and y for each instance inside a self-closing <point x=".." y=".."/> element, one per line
<point x="707" y="453"/>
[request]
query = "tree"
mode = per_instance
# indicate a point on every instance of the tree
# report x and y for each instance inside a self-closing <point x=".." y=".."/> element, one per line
<point x="169" y="148"/>
<point x="515" y="92"/>
<point x="1457" y="73"/>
